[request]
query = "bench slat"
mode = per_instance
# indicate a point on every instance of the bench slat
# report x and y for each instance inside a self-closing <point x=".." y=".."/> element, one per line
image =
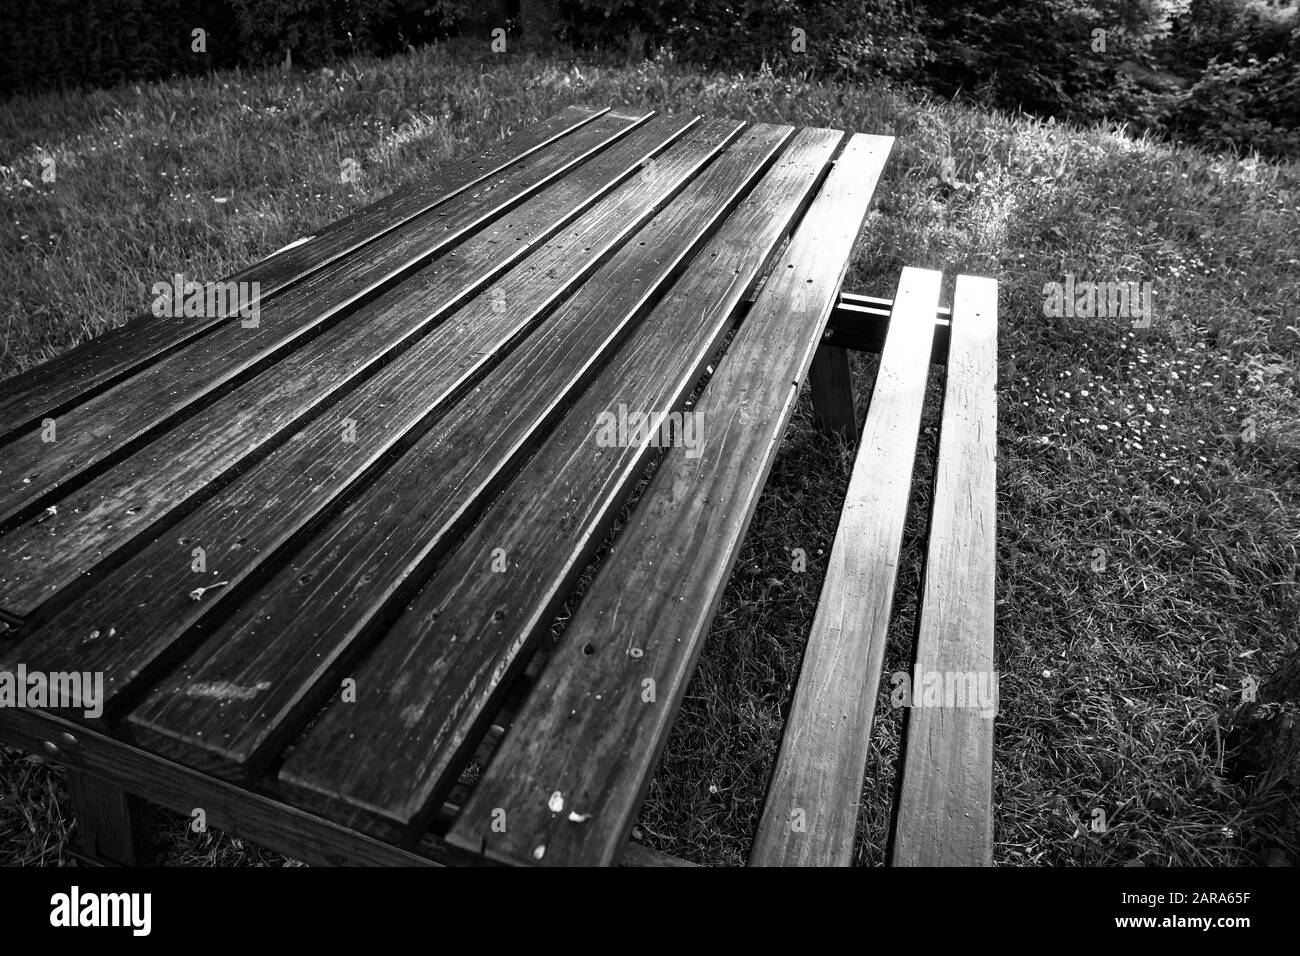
<point x="312" y="612"/>
<point x="104" y="427"/>
<point x="272" y="506"/>
<point x="107" y="515"/>
<point x="56" y="386"/>
<point x="529" y="396"/>
<point x="593" y="728"/>
<point x="811" y="811"/>
<point x="945" y="815"/>
<point x="497" y="616"/>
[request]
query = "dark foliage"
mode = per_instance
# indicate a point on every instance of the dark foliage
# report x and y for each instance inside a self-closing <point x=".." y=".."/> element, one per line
<point x="1225" y="73"/>
<point x="56" y="44"/>
<point x="51" y="44"/>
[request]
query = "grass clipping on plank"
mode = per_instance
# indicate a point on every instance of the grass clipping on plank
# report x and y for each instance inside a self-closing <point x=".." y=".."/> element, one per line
<point x="1149" y="478"/>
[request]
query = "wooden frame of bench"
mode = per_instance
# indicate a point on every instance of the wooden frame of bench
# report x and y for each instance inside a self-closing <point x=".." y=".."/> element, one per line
<point x="944" y="812"/>
<point x="945" y="808"/>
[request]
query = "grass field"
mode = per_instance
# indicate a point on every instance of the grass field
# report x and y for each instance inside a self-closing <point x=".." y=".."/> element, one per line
<point x="1149" y="479"/>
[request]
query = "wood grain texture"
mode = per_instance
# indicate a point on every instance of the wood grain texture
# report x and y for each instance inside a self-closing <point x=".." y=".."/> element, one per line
<point x="146" y="602"/>
<point x="945" y="811"/>
<point x="460" y="641"/>
<point x="811" y="811"/>
<point x="594" y="726"/>
<point x="831" y="385"/>
<point x="105" y="427"/>
<point x="107" y="516"/>
<point x="287" y="638"/>
<point x="52" y="388"/>
<point x="403" y="671"/>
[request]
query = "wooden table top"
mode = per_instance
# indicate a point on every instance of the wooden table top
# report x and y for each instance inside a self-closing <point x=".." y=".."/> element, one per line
<point x="316" y="537"/>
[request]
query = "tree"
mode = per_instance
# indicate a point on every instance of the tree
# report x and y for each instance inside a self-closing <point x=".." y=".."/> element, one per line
<point x="538" y="20"/>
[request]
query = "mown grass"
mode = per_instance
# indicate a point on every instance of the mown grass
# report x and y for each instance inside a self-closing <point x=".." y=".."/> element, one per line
<point x="1149" y="480"/>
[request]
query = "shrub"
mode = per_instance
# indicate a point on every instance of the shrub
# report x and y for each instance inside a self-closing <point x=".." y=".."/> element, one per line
<point x="839" y="38"/>
<point x="50" y="44"/>
<point x="1254" y="105"/>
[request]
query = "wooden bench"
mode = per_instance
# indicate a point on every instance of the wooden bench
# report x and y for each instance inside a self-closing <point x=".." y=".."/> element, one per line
<point x="944" y="810"/>
<point x="314" y="557"/>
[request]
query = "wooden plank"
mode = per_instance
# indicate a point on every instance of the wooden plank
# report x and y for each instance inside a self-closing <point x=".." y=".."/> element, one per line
<point x="244" y="529"/>
<point x="593" y="728"/>
<point x="106" y="427"/>
<point x="54" y="387"/>
<point x="384" y="215"/>
<point x="548" y="548"/>
<point x="831" y="384"/>
<point x="811" y="811"/>
<point x="294" y="635"/>
<point x="449" y="688"/>
<point x="106" y="516"/>
<point x="945" y="810"/>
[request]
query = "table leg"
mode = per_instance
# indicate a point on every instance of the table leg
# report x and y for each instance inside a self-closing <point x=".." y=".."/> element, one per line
<point x="832" y="391"/>
<point x="109" y="821"/>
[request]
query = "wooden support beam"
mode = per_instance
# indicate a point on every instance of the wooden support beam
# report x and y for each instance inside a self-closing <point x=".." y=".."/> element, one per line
<point x="832" y="391"/>
<point x="859" y="322"/>
<point x="99" y="767"/>
<point x="109" y="831"/>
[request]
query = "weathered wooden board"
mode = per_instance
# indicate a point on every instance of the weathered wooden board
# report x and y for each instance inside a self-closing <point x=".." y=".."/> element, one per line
<point x="146" y="603"/>
<point x="593" y="728"/>
<point x="371" y="557"/>
<point x="945" y="809"/>
<point x="401" y="474"/>
<point x="106" y="427"/>
<point x="470" y="629"/>
<point x="503" y="615"/>
<point x="104" y="517"/>
<point x="811" y="811"/>
<point x="58" y="385"/>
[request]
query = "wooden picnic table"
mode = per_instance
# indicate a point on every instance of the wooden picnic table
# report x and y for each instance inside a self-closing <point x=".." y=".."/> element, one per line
<point x="317" y="554"/>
